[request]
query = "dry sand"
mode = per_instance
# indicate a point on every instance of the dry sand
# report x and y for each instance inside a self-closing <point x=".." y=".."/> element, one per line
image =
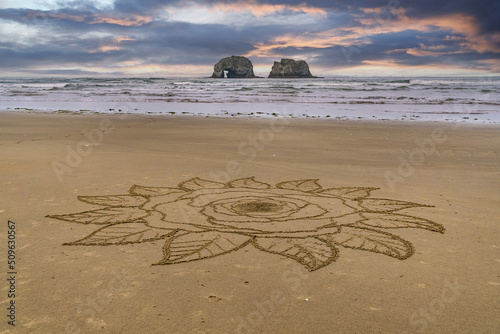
<point x="450" y="284"/>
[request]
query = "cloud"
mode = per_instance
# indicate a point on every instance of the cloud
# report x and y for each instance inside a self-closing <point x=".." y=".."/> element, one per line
<point x="460" y="23"/>
<point x="129" y="36"/>
<point x="69" y="72"/>
<point x="263" y="9"/>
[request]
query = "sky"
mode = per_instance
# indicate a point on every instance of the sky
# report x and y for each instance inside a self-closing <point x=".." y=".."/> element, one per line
<point x="186" y="38"/>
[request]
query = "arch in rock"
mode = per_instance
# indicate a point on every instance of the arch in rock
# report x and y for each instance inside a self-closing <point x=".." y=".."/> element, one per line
<point x="236" y="67"/>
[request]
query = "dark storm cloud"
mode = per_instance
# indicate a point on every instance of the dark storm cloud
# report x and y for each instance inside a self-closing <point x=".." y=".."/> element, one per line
<point x="486" y="12"/>
<point x="162" y="43"/>
<point x="81" y="35"/>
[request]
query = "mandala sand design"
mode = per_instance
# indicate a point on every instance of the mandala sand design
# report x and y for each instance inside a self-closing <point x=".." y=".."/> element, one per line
<point x="298" y="219"/>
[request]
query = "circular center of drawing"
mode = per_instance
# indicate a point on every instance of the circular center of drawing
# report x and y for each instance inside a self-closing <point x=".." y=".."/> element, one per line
<point x="257" y="207"/>
<point x="299" y="219"/>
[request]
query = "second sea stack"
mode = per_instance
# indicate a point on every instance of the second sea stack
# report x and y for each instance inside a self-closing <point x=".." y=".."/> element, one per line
<point x="289" y="68"/>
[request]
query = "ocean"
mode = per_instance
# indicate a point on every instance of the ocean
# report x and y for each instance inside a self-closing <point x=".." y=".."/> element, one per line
<point x="464" y="99"/>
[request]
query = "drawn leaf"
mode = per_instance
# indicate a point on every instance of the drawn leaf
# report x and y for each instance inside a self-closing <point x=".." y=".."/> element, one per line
<point x="104" y="216"/>
<point x="372" y="240"/>
<point x="383" y="220"/>
<point x="153" y="191"/>
<point x="114" y="200"/>
<point x="349" y="192"/>
<point x="193" y="246"/>
<point x="248" y="182"/>
<point x="197" y="183"/>
<point x="311" y="252"/>
<point x="120" y="234"/>
<point x="308" y="185"/>
<point x="386" y="205"/>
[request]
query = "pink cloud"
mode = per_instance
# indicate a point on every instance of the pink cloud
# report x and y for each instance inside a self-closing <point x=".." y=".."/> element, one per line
<point x="262" y="9"/>
<point x="133" y="20"/>
<point x="462" y="24"/>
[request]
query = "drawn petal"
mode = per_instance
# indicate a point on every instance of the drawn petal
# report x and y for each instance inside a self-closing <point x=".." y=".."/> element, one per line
<point x="307" y="185"/>
<point x="349" y="192"/>
<point x="194" y="246"/>
<point x="387" y="205"/>
<point x="248" y="182"/>
<point x="313" y="253"/>
<point x="120" y="234"/>
<point x="197" y="183"/>
<point x="383" y="220"/>
<point x="114" y="200"/>
<point x="104" y="216"/>
<point x="371" y="240"/>
<point x="153" y="191"/>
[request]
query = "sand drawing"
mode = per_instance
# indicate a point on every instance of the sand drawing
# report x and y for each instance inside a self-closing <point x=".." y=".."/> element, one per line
<point x="299" y="219"/>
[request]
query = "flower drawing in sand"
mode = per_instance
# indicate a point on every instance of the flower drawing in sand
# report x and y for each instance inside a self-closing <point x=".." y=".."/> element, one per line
<point x="298" y="219"/>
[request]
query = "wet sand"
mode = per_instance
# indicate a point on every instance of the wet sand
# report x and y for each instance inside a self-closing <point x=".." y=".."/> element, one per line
<point x="449" y="285"/>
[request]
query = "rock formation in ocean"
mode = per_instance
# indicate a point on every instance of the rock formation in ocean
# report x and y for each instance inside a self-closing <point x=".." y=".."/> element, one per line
<point x="236" y="67"/>
<point x="289" y="68"/>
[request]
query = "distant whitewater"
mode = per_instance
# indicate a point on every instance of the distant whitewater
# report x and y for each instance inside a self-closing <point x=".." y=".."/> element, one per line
<point x="347" y="97"/>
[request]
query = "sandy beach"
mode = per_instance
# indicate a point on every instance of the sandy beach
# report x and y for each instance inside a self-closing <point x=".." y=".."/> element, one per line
<point x="450" y="284"/>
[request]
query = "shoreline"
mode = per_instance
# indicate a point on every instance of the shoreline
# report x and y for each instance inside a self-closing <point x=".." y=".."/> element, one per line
<point x="244" y="118"/>
<point x="450" y="114"/>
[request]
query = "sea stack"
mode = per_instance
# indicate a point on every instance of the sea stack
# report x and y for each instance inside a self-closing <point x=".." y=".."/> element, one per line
<point x="236" y="67"/>
<point x="289" y="68"/>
